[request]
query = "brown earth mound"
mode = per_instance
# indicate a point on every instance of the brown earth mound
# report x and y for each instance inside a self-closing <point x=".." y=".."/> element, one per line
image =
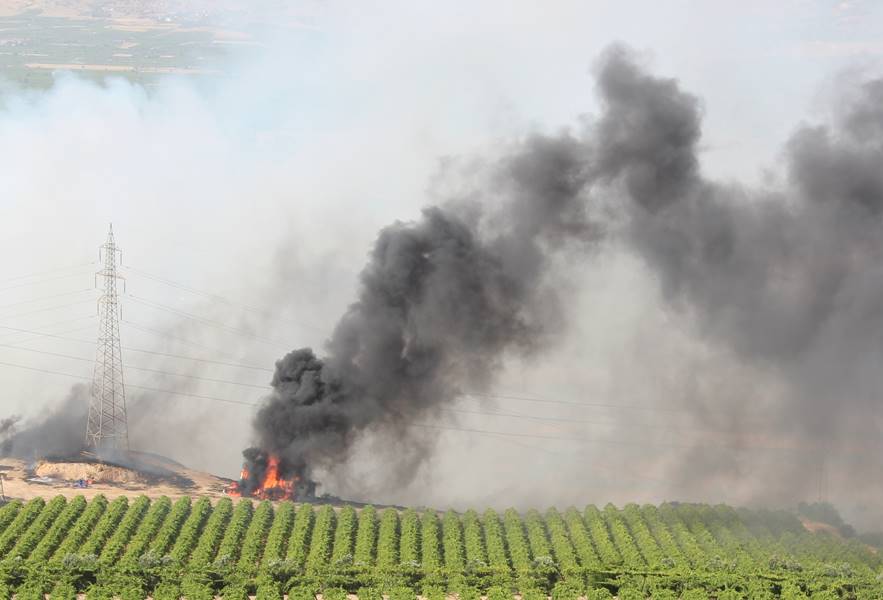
<point x="151" y="475"/>
<point x="97" y="472"/>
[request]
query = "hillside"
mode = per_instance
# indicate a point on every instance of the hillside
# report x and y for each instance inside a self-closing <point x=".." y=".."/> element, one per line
<point x="136" y="547"/>
<point x="24" y="481"/>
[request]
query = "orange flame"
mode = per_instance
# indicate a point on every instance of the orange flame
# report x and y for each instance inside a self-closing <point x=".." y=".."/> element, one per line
<point x="273" y="487"/>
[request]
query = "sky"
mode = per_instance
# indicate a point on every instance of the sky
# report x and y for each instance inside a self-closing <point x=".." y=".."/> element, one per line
<point x="245" y="207"/>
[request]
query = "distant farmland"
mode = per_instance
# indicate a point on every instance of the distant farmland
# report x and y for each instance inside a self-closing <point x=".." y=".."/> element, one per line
<point x="136" y="547"/>
<point x="33" y="47"/>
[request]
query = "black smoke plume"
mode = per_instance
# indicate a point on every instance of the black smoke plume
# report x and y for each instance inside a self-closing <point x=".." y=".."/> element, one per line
<point x="442" y="300"/>
<point x="60" y="432"/>
<point x="788" y="278"/>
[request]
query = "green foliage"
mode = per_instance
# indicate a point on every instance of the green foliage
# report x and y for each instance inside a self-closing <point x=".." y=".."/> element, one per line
<point x="363" y="554"/>
<point x="21" y="521"/>
<point x="533" y="594"/>
<point x="373" y="593"/>
<point x="599" y="594"/>
<point x="30" y="590"/>
<point x="467" y="593"/>
<point x="167" y="590"/>
<point x="694" y="594"/>
<point x="320" y="544"/>
<point x="193" y="589"/>
<point x="125" y="548"/>
<point x="301" y="592"/>
<point x="388" y="539"/>
<point x="253" y="545"/>
<point x="430" y="592"/>
<point x="40" y="527"/>
<point x="409" y="539"/>
<point x="565" y="591"/>
<point x="268" y="589"/>
<point x="107" y="525"/>
<point x="334" y="593"/>
<point x="100" y="592"/>
<point x="235" y="591"/>
<point x="215" y="528"/>
<point x="63" y="590"/>
<point x="234" y="533"/>
<point x="630" y="593"/>
<point x="120" y="534"/>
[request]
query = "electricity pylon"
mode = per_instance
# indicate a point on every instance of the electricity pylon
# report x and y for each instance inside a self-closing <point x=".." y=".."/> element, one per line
<point x="107" y="426"/>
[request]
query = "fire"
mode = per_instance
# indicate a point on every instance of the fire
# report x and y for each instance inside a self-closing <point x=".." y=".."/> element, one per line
<point x="270" y="487"/>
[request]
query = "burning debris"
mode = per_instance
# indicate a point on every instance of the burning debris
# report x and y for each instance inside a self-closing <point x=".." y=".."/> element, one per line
<point x="264" y="477"/>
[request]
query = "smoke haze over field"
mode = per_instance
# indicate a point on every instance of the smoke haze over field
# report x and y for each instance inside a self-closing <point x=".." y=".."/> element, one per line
<point x="783" y="278"/>
<point x="662" y="318"/>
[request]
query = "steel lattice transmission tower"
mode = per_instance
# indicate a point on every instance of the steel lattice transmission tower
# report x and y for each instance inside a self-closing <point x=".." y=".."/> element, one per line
<point x="107" y="427"/>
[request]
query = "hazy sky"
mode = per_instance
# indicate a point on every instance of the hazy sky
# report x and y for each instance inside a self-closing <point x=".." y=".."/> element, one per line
<point x="268" y="185"/>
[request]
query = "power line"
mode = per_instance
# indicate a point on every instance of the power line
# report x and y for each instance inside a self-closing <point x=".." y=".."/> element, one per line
<point x="37" y="337"/>
<point x="49" y="272"/>
<point x="205" y="360"/>
<point x="574" y="402"/>
<point x="39" y="281"/>
<point x="48" y="308"/>
<point x="17" y="330"/>
<point x="146" y="369"/>
<point x="46" y="298"/>
<point x="197" y="318"/>
<point x="269" y="370"/>
<point x="140" y="387"/>
<point x="172" y="337"/>
<point x="132" y="349"/>
<point x="217" y="297"/>
<point x="583" y="440"/>
<point x="454" y="410"/>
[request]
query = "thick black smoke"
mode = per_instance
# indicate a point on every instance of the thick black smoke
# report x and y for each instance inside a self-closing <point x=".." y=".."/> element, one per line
<point x="441" y="302"/>
<point x="788" y="279"/>
<point x="61" y="432"/>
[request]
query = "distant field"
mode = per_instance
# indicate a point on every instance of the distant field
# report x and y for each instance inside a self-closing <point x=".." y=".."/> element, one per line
<point x="132" y="548"/>
<point x="34" y="46"/>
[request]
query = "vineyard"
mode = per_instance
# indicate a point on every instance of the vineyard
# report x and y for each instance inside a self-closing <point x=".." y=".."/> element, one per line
<point x="132" y="548"/>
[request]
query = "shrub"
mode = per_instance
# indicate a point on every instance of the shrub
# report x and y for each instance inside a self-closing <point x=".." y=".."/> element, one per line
<point x="369" y="593"/>
<point x="301" y="592"/>
<point x="29" y="590"/>
<point x="334" y="593"/>
<point x="268" y="589"/>
<point x="630" y="593"/>
<point x="402" y="593"/>
<point x="533" y="594"/>
<point x="565" y="591"/>
<point x="432" y="592"/>
<point x="468" y="593"/>
<point x="236" y="591"/>
<point x="167" y="590"/>
<point x="98" y="592"/>
<point x="499" y="593"/>
<point x="63" y="590"/>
